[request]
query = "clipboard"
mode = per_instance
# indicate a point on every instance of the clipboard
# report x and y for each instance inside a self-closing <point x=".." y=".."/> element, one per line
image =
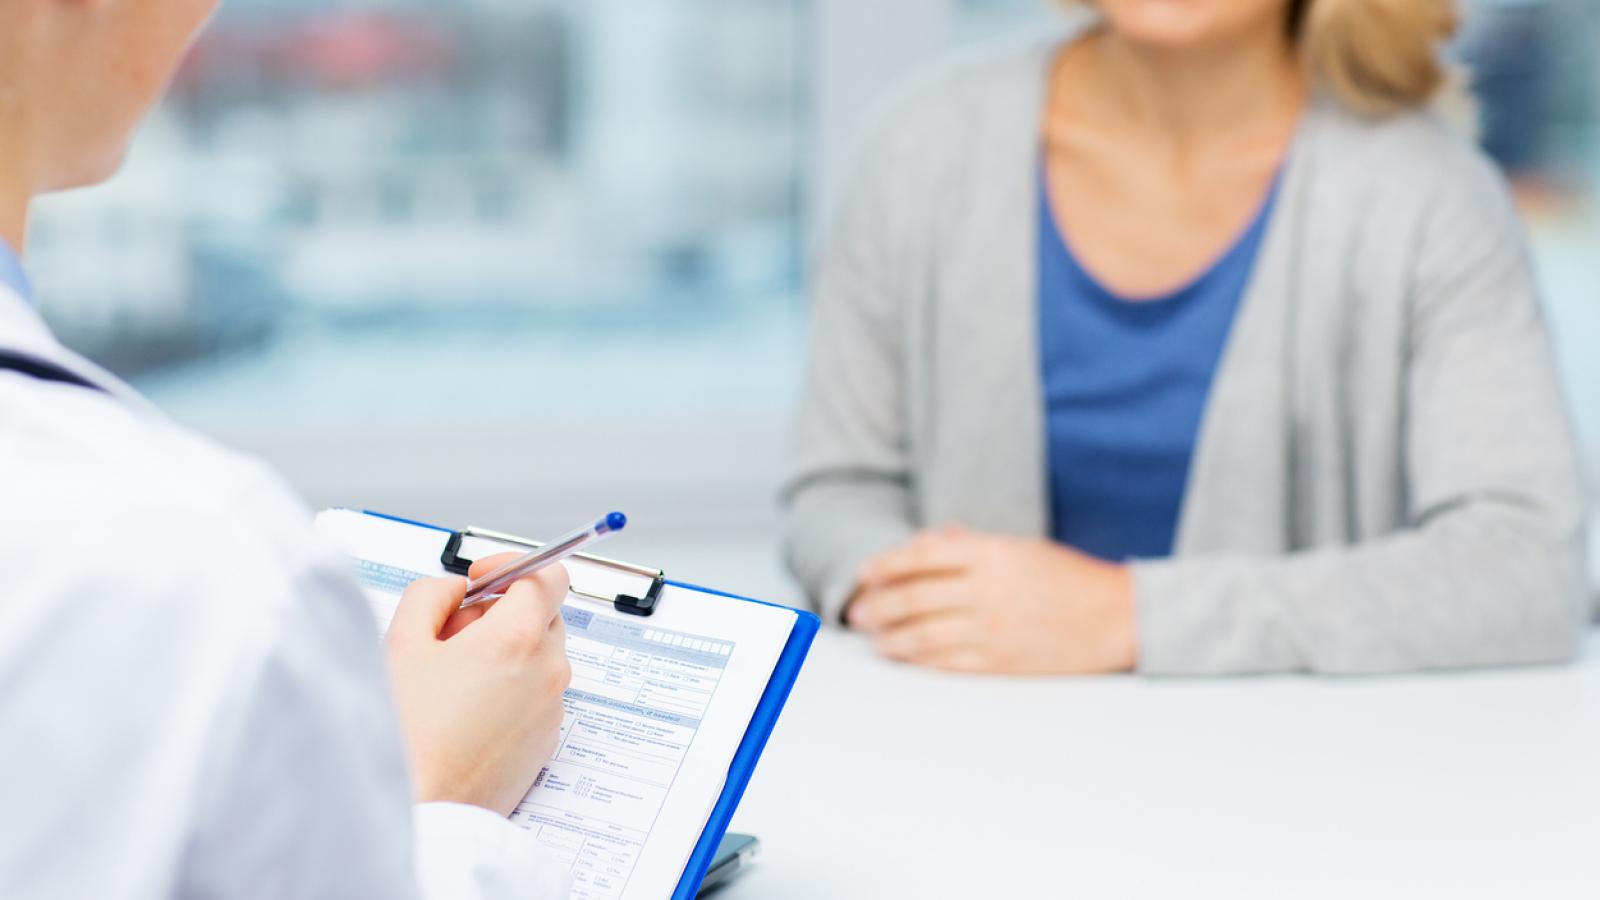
<point x="639" y="593"/>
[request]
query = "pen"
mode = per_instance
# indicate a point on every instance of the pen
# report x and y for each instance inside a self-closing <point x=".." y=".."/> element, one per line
<point x="492" y="585"/>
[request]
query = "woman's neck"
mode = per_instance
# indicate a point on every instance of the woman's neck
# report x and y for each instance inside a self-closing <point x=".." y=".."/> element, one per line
<point x="1186" y="95"/>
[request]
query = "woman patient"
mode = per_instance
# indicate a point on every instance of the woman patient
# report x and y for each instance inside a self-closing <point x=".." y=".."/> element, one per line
<point x="1193" y="341"/>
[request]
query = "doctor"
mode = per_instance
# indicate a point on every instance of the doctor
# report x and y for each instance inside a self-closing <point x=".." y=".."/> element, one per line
<point x="193" y="702"/>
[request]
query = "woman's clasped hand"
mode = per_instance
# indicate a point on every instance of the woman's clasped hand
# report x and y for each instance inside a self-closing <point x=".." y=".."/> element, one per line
<point x="960" y="600"/>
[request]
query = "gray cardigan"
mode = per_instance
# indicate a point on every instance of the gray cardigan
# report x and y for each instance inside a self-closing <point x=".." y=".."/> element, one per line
<point x="1384" y="477"/>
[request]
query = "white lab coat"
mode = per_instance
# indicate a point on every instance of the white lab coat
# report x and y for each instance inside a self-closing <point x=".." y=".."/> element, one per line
<point x="193" y="701"/>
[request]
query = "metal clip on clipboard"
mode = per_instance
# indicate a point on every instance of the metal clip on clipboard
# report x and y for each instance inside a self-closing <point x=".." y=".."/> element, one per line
<point x="643" y="604"/>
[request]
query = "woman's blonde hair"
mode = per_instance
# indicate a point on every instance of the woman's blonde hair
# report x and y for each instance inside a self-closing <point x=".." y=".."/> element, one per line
<point x="1374" y="56"/>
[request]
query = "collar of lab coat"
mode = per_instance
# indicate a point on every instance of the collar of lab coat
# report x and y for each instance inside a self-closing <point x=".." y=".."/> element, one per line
<point x="23" y="332"/>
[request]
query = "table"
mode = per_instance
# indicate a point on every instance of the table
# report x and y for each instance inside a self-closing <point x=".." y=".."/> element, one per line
<point x="885" y="781"/>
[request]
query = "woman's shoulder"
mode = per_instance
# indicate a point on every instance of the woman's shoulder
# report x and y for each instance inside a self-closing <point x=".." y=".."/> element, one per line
<point x="932" y="117"/>
<point x="966" y="81"/>
<point x="1413" y="159"/>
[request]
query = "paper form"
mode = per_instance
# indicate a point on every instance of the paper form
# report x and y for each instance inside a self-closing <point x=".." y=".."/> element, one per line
<point x="656" y="708"/>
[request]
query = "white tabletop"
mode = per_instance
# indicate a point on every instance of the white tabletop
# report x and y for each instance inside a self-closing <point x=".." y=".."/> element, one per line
<point x="885" y="781"/>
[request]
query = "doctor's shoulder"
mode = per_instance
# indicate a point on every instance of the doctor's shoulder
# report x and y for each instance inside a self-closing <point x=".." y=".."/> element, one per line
<point x="139" y="512"/>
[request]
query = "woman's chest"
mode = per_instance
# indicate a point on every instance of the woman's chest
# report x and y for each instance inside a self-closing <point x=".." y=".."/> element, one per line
<point x="1145" y="224"/>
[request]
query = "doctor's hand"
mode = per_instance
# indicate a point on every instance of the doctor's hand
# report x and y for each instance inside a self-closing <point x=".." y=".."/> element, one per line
<point x="960" y="600"/>
<point x="479" y="689"/>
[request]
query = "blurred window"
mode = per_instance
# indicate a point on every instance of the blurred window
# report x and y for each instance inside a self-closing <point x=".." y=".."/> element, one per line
<point x="353" y="212"/>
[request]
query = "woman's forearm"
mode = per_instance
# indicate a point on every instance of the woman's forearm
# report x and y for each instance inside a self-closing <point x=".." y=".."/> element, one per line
<point x="1488" y="584"/>
<point x="833" y="524"/>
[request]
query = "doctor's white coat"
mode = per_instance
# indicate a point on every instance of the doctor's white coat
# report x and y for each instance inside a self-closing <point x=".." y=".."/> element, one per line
<point x="193" y="701"/>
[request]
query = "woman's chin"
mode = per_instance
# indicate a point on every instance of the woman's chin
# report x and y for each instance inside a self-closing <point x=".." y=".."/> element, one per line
<point x="1169" y="34"/>
<point x="1172" y="26"/>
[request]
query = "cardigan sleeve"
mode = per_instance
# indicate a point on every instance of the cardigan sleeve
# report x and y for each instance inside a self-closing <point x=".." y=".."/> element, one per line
<point x="849" y="492"/>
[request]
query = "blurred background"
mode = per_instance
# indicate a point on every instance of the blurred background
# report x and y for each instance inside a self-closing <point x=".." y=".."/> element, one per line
<point x="515" y="262"/>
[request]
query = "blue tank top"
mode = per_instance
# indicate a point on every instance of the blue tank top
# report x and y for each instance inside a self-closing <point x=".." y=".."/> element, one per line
<point x="1125" y="384"/>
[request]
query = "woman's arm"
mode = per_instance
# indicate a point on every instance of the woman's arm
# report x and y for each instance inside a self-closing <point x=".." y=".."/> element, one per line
<point x="849" y="491"/>
<point x="848" y="494"/>
<point x="1489" y="570"/>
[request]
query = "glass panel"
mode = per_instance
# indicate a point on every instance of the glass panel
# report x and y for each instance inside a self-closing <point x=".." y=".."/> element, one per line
<point x="356" y="212"/>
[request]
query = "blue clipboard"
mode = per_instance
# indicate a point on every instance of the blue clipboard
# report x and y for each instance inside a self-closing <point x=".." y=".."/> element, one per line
<point x="755" y="738"/>
<point x="756" y="733"/>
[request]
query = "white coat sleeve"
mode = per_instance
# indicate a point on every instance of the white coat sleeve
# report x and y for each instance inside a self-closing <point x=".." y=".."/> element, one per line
<point x="308" y="793"/>
<point x="468" y="851"/>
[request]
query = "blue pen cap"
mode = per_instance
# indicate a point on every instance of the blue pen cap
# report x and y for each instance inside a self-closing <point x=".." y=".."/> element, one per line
<point x="612" y="522"/>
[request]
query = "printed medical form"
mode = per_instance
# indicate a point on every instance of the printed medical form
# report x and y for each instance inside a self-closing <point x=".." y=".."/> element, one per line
<point x="655" y="709"/>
